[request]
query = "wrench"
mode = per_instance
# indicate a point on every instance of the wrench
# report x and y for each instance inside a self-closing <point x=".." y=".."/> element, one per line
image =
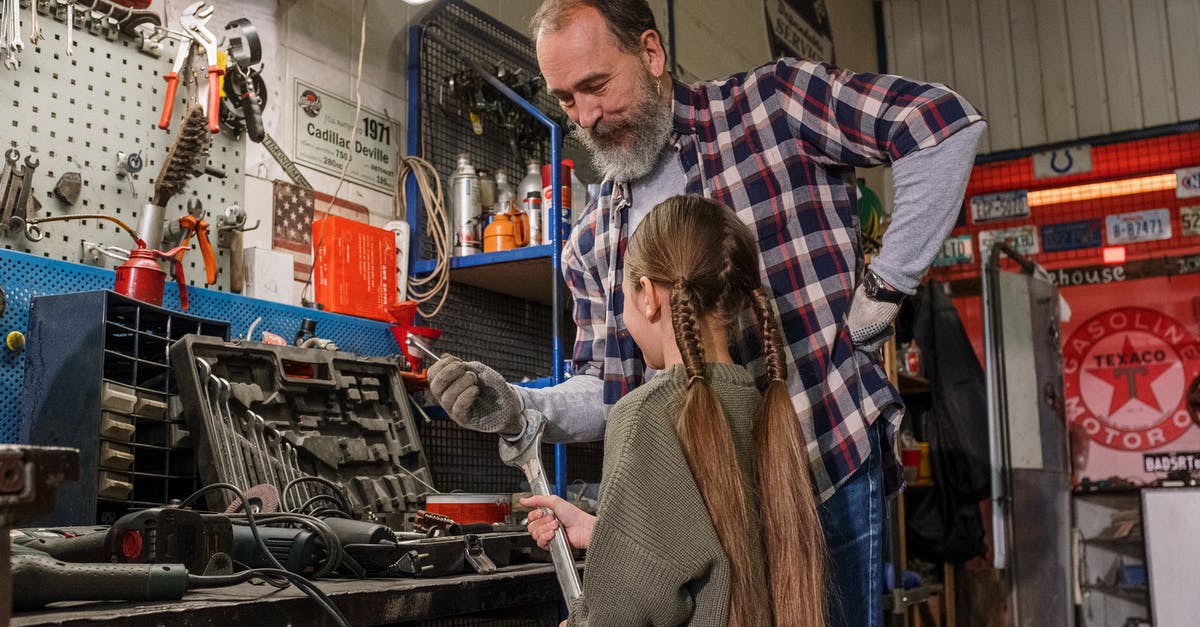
<point x="526" y="454"/>
<point x="21" y="209"/>
<point x="71" y="28"/>
<point x="6" y="182"/>
<point x="260" y="432"/>
<point x="16" y="43"/>
<point x="35" y="27"/>
<point x="239" y="458"/>
<point x="217" y="441"/>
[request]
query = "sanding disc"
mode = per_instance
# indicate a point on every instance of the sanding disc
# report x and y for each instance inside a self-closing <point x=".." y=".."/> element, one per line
<point x="263" y="498"/>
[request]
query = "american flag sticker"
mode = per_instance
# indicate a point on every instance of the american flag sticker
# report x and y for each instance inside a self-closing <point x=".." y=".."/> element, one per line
<point x="293" y="209"/>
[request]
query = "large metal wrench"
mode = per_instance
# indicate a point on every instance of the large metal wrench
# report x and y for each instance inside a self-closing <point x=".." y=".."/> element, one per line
<point x="526" y="454"/>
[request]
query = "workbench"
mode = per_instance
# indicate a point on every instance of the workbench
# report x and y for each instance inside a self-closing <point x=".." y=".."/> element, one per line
<point x="528" y="592"/>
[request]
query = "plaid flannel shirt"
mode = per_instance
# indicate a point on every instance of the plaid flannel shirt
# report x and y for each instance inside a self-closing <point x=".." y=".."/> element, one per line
<point x="774" y="144"/>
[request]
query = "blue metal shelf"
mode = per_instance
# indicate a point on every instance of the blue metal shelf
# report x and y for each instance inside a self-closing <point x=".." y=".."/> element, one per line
<point x="425" y="266"/>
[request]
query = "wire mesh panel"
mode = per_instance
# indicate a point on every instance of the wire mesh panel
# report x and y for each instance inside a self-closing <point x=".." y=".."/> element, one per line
<point x="460" y="113"/>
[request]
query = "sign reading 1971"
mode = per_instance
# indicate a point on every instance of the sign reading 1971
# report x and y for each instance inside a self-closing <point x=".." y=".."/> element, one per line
<point x="1002" y="206"/>
<point x="321" y="138"/>
<point x="1138" y="226"/>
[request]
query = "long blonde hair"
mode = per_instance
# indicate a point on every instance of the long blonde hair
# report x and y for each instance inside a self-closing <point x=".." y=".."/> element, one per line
<point x="710" y="260"/>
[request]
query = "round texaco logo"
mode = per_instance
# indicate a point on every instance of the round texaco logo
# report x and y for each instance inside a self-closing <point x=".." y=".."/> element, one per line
<point x="1125" y="376"/>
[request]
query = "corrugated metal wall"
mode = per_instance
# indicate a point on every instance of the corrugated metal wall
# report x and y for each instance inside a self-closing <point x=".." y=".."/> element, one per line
<point x="1049" y="71"/>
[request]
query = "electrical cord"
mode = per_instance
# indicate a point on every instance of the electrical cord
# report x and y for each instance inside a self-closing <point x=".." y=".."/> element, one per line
<point x="436" y="285"/>
<point x="362" y="45"/>
<point x="274" y="577"/>
<point x="310" y="590"/>
<point x="337" y="492"/>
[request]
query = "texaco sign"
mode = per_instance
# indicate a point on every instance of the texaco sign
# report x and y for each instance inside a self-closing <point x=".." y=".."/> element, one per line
<point x="1126" y="372"/>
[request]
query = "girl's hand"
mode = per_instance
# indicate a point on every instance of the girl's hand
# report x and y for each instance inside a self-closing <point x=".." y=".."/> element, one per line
<point x="550" y="512"/>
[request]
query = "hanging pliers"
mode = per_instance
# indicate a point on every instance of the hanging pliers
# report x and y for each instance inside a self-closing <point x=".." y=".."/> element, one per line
<point x="194" y="17"/>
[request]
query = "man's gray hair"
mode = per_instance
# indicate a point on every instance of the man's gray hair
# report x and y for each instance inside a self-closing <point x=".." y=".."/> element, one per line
<point x="626" y="19"/>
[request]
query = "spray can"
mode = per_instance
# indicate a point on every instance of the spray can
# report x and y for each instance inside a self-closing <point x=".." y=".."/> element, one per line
<point x="465" y="208"/>
<point x="487" y="190"/>
<point x="532" y="205"/>
<point x="564" y="220"/>
<point x="506" y="194"/>
<point x="532" y="181"/>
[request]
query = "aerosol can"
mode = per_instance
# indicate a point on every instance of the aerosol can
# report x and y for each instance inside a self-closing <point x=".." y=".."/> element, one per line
<point x="465" y="208"/>
<point x="506" y="194"/>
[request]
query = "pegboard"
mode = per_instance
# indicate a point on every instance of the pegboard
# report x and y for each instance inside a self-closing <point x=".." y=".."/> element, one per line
<point x="76" y="113"/>
<point x="24" y="276"/>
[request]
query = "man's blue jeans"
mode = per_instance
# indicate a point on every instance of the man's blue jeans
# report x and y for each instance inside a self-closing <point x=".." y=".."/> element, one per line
<point x="853" y="521"/>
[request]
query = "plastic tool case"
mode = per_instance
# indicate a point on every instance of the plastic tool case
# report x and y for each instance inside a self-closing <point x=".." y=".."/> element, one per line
<point x="342" y="417"/>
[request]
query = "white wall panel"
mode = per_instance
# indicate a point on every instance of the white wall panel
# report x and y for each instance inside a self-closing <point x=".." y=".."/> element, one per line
<point x="967" y="54"/>
<point x="999" y="74"/>
<point x="1120" y="65"/>
<point x="1052" y="71"/>
<point x="1087" y="68"/>
<point x="1154" y="62"/>
<point x="1054" y="51"/>
<point x="1183" y="24"/>
<point x="1027" y="68"/>
<point x="935" y="41"/>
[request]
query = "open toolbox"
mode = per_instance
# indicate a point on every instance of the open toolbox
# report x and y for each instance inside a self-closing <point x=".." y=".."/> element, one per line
<point x="266" y="414"/>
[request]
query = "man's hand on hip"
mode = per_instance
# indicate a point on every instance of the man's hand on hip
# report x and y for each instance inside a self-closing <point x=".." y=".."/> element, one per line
<point x="475" y="396"/>
<point x="870" y="321"/>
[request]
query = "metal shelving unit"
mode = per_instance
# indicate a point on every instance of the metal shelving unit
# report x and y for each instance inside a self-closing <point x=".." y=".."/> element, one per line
<point x="532" y="273"/>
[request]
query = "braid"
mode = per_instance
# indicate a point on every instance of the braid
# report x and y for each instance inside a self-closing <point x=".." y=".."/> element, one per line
<point x="772" y="340"/>
<point x="687" y="332"/>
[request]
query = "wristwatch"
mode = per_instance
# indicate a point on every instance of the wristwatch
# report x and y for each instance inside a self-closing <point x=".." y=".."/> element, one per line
<point x="876" y="290"/>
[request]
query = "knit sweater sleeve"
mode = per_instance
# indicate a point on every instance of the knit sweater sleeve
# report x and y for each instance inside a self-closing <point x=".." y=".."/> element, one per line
<point x="652" y="545"/>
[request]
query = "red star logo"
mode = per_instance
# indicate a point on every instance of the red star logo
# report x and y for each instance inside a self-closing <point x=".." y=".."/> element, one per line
<point x="1131" y="381"/>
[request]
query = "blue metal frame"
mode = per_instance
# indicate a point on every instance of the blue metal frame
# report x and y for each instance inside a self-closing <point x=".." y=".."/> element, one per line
<point x="553" y="250"/>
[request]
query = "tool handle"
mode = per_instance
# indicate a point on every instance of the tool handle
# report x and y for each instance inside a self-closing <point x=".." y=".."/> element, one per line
<point x="215" y="72"/>
<point x="252" y="116"/>
<point x="560" y="551"/>
<point x="85" y="548"/>
<point x="169" y="100"/>
<point x="40" y="580"/>
<point x="183" y="301"/>
<point x="206" y="251"/>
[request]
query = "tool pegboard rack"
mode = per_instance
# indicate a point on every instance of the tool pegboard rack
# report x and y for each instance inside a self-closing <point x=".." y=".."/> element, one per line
<point x="84" y="111"/>
<point x="510" y="334"/>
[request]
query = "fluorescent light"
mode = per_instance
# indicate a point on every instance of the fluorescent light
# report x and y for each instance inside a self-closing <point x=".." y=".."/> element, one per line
<point x="1091" y="191"/>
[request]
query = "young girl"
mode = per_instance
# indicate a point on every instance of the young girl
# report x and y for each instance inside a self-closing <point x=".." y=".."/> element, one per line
<point x="706" y="514"/>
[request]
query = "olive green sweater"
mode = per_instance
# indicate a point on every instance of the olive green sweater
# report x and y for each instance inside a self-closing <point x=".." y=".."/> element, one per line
<point x="654" y="557"/>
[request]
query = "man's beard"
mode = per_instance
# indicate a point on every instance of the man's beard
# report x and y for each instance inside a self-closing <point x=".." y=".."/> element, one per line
<point x="627" y="151"/>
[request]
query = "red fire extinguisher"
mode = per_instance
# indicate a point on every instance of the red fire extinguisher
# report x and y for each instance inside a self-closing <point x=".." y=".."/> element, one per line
<point x="140" y="276"/>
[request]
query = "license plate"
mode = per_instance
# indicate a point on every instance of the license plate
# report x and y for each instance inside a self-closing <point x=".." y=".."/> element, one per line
<point x="1072" y="235"/>
<point x="1187" y="182"/>
<point x="1002" y="206"/>
<point x="1190" y="217"/>
<point x="1138" y="226"/>
<point x="1023" y="239"/>
<point x="955" y="250"/>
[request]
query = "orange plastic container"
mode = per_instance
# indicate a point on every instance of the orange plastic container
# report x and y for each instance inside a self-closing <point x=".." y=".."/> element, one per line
<point x="354" y="270"/>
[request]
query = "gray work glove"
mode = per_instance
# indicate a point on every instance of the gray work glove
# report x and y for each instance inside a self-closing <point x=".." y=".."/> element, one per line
<point x="475" y="396"/>
<point x="870" y="321"/>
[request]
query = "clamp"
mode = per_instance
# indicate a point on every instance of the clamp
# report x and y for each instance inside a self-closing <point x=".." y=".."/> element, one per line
<point x="194" y="17"/>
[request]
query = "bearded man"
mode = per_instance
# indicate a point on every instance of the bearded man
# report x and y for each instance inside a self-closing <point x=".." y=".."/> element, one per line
<point x="778" y="144"/>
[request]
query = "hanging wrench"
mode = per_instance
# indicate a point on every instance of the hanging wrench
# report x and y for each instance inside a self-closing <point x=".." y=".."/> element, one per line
<point x="35" y="27"/>
<point x="526" y="454"/>
<point x="16" y="43"/>
<point x="260" y="432"/>
<point x="71" y="28"/>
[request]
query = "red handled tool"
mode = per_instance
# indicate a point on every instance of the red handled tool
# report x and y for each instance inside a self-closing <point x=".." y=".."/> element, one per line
<point x="191" y="224"/>
<point x="194" y="17"/>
